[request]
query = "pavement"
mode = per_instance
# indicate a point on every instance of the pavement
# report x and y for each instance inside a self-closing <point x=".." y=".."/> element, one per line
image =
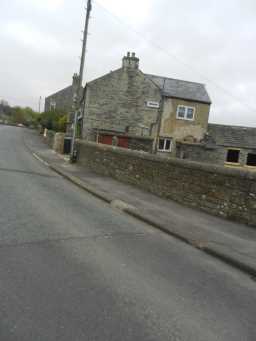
<point x="73" y="267"/>
<point x="231" y="242"/>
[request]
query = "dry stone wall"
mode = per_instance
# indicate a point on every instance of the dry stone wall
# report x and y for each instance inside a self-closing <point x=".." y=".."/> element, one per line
<point x="229" y="193"/>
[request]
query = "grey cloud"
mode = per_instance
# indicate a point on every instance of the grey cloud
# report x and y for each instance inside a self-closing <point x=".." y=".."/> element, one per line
<point x="215" y="39"/>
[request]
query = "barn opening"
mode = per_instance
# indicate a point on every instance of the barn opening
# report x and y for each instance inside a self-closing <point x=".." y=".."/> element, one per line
<point x="251" y="160"/>
<point x="233" y="155"/>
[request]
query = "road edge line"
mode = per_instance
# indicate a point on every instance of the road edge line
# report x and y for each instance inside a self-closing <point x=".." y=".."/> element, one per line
<point x="41" y="160"/>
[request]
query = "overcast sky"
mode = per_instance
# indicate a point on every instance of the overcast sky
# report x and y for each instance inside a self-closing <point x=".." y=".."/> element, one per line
<point x="208" y="41"/>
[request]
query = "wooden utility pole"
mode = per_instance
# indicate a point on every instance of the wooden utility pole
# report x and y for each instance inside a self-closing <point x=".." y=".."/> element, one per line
<point x="87" y="19"/>
<point x="80" y="79"/>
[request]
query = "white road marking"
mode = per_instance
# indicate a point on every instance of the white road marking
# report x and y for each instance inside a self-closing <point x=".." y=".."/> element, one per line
<point x="39" y="159"/>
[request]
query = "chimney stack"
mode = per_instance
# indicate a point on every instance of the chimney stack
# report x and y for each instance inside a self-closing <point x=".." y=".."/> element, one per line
<point x="131" y="62"/>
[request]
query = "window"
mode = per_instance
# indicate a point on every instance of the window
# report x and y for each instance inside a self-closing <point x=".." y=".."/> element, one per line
<point x="52" y="105"/>
<point x="185" y="113"/>
<point x="233" y="155"/>
<point x="165" y="145"/>
<point x="251" y="160"/>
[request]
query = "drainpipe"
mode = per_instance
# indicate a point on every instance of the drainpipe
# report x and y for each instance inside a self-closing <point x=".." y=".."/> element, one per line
<point x="159" y="118"/>
<point x="159" y="123"/>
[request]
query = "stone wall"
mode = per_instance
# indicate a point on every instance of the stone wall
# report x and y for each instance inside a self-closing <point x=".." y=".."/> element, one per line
<point x="49" y="137"/>
<point x="230" y="193"/>
<point x="144" y="144"/>
<point x="201" y="153"/>
<point x="58" y="143"/>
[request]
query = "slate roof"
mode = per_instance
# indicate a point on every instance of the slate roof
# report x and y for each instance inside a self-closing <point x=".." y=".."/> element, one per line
<point x="68" y="90"/>
<point x="181" y="89"/>
<point x="233" y="136"/>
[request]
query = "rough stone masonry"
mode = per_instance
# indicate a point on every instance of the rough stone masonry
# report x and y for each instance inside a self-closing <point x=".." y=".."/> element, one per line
<point x="229" y="193"/>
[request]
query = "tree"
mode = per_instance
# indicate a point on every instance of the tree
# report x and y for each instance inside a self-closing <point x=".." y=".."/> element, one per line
<point x="62" y="123"/>
<point x="25" y="116"/>
<point x="54" y="120"/>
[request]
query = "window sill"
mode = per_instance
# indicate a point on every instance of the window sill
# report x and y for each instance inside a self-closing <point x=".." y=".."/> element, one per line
<point x="250" y="167"/>
<point x="185" y="119"/>
<point x="237" y="164"/>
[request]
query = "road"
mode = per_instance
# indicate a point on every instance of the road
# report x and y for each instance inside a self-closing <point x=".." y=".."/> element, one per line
<point x="72" y="268"/>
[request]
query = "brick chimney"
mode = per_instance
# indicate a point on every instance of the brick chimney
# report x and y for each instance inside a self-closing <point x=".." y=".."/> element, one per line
<point x="130" y="61"/>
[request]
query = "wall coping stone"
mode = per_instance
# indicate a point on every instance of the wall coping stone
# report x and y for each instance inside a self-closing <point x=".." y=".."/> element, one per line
<point x="131" y="136"/>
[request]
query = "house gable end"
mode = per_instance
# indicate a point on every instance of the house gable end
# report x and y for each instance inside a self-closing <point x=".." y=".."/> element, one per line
<point x="119" y="99"/>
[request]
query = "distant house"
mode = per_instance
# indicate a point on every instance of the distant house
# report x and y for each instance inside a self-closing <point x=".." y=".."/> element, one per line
<point x="141" y="111"/>
<point x="61" y="100"/>
<point x="222" y="145"/>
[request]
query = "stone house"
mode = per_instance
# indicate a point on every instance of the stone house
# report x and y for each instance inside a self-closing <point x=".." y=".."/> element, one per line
<point x="231" y="146"/>
<point x="62" y="100"/>
<point x="135" y="110"/>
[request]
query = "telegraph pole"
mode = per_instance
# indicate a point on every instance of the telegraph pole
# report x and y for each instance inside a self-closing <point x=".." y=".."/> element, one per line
<point x="87" y="19"/>
<point x="80" y="79"/>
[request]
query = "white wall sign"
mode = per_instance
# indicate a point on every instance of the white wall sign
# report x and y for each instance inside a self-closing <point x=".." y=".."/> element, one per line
<point x="152" y="104"/>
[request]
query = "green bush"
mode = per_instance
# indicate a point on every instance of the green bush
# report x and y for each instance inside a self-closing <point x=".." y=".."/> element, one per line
<point x="54" y="120"/>
<point x="25" y="116"/>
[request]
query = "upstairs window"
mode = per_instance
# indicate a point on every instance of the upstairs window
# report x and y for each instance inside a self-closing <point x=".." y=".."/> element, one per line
<point x="165" y="145"/>
<point x="233" y="155"/>
<point x="251" y="160"/>
<point x="185" y="113"/>
<point x="52" y="105"/>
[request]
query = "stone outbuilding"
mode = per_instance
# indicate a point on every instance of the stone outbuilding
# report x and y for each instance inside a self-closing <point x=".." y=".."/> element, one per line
<point x="231" y="146"/>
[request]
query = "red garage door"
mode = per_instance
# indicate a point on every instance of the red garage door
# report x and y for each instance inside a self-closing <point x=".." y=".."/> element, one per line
<point x="105" y="139"/>
<point x="122" y="141"/>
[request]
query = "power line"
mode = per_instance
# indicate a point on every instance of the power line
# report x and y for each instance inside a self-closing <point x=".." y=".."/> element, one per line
<point x="178" y="59"/>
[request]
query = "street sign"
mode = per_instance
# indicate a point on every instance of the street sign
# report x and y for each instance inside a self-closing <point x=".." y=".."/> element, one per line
<point x="152" y="104"/>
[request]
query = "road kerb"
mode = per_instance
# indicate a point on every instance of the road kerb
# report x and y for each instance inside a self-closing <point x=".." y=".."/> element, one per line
<point x="75" y="180"/>
<point x="249" y="270"/>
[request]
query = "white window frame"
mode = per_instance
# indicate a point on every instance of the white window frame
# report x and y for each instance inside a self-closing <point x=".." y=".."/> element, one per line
<point x="165" y="142"/>
<point x="186" y="113"/>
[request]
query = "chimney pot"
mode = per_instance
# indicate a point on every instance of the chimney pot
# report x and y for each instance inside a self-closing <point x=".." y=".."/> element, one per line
<point x="130" y="61"/>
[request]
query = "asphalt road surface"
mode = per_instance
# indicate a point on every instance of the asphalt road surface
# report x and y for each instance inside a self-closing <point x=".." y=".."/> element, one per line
<point x="72" y="268"/>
